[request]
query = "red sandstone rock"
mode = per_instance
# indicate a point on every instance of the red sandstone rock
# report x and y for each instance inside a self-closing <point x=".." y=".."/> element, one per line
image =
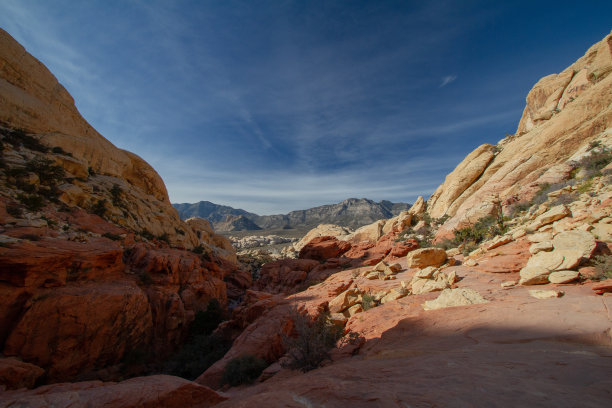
<point x="52" y="262"/>
<point x="603" y="287"/>
<point x="140" y="392"/>
<point x="15" y="374"/>
<point x="508" y="258"/>
<point x="323" y="248"/>
<point x="284" y="275"/>
<point x="77" y="328"/>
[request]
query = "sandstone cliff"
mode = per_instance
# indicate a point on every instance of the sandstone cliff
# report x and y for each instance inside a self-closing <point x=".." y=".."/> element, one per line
<point x="565" y="114"/>
<point x="32" y="99"/>
<point x="93" y="266"/>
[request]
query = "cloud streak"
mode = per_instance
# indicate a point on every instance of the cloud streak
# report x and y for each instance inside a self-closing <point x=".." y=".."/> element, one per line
<point x="447" y="80"/>
<point x="285" y="105"/>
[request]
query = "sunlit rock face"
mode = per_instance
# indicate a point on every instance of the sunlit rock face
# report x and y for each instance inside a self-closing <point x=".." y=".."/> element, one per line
<point x="564" y="114"/>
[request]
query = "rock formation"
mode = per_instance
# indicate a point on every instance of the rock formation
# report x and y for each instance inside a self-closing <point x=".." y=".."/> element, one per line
<point x="565" y="114"/>
<point x="93" y="266"/>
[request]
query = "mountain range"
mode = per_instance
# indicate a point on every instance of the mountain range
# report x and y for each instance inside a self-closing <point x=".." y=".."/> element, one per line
<point x="352" y="213"/>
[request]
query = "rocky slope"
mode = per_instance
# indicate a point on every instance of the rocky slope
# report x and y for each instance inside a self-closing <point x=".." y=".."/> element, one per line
<point x="352" y="213"/>
<point x="93" y="266"/>
<point x="565" y="114"/>
<point x="236" y="223"/>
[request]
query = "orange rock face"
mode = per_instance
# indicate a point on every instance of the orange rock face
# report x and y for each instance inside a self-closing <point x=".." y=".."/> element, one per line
<point x="322" y="248"/>
<point x="284" y="275"/>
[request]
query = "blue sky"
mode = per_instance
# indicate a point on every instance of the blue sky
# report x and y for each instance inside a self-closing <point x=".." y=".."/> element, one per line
<point x="274" y="106"/>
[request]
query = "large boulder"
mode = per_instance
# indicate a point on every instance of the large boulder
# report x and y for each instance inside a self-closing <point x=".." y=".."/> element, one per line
<point x="453" y="298"/>
<point x="424" y="257"/>
<point x="322" y="248"/>
<point x="15" y="374"/>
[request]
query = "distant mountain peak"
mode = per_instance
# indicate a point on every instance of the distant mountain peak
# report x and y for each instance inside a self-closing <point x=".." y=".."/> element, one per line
<point x="352" y="212"/>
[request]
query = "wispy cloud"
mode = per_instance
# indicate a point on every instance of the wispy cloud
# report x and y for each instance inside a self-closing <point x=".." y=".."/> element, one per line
<point x="268" y="108"/>
<point x="447" y="80"/>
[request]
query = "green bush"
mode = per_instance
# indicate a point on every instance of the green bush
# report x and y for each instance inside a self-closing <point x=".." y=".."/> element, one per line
<point x="116" y="193"/>
<point x="18" y="138"/>
<point x="367" y="302"/>
<point x="243" y="370"/>
<point x="14" y="210"/>
<point x="603" y="266"/>
<point x="112" y="236"/>
<point x="146" y="235"/>
<point x="485" y="228"/>
<point x="32" y="202"/>
<point x="47" y="172"/>
<point x="195" y="356"/>
<point x="313" y="340"/>
<point x="99" y="208"/>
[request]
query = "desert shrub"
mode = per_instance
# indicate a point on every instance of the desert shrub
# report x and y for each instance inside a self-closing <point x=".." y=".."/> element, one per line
<point x="146" y="235"/>
<point x="16" y="172"/>
<point x="603" y="266"/>
<point x="33" y="202"/>
<point x="313" y="340"/>
<point x="442" y="219"/>
<point x="243" y="370"/>
<point x="206" y="322"/>
<point x="485" y="228"/>
<point x="198" y="250"/>
<point x="596" y="161"/>
<point x="367" y="301"/>
<point x="566" y="198"/>
<point x="517" y="208"/>
<point x="48" y="172"/>
<point x="99" y="208"/>
<point x="116" y="193"/>
<point x="541" y="195"/>
<point x="50" y="222"/>
<point x="112" y="236"/>
<point x="404" y="235"/>
<point x="446" y="244"/>
<point x="49" y="192"/>
<point x="91" y="171"/>
<point x="196" y="355"/>
<point x="14" y="210"/>
<point x="585" y="187"/>
<point x="18" y="138"/>
<point x="164" y="237"/>
<point x="59" y="150"/>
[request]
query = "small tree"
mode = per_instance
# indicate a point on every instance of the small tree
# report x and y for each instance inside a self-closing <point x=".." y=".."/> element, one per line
<point x="313" y="340"/>
<point x="243" y="370"/>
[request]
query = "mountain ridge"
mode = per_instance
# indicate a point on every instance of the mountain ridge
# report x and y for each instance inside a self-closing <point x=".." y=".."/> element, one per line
<point x="352" y="212"/>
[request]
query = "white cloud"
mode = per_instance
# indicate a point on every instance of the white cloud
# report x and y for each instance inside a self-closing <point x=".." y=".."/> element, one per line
<point x="447" y="80"/>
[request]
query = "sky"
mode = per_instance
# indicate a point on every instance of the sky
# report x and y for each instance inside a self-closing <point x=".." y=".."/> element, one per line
<point x="274" y="106"/>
